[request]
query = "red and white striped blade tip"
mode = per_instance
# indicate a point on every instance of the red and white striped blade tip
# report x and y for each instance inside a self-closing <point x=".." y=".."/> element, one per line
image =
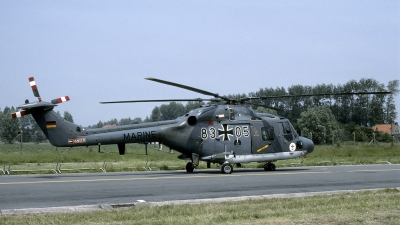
<point x="60" y="100"/>
<point x="34" y="87"/>
<point x="18" y="114"/>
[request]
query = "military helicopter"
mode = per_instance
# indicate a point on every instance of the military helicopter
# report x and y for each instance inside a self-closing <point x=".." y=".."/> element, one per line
<point x="225" y="132"/>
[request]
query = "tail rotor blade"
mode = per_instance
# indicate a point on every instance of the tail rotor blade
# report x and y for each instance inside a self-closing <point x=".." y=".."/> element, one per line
<point x="18" y="114"/>
<point x="34" y="88"/>
<point x="60" y="100"/>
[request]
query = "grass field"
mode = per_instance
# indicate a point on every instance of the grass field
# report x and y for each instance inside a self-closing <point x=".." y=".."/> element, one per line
<point x="364" y="207"/>
<point x="43" y="158"/>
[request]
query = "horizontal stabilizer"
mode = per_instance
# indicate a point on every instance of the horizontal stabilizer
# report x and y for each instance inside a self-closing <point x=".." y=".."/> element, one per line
<point x="33" y="107"/>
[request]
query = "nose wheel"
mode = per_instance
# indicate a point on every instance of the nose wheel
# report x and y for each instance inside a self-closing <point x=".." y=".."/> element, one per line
<point x="189" y="167"/>
<point x="269" y="167"/>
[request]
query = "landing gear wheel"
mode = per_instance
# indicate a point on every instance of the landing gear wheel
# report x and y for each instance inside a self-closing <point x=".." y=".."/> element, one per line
<point x="226" y="168"/>
<point x="266" y="167"/>
<point x="189" y="167"/>
<point x="269" y="167"/>
<point x="273" y="167"/>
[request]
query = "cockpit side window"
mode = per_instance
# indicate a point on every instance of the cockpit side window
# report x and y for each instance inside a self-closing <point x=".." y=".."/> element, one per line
<point x="231" y="112"/>
<point x="287" y="131"/>
<point x="286" y="128"/>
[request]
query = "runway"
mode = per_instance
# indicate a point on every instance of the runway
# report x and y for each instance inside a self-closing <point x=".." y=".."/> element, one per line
<point x="18" y="192"/>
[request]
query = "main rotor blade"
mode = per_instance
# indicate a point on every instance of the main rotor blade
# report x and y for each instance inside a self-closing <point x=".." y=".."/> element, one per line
<point x="215" y="95"/>
<point x="312" y="95"/>
<point x="165" y="100"/>
<point x="265" y="106"/>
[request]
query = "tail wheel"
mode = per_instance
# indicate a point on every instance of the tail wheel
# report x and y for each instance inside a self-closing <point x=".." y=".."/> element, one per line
<point x="189" y="167"/>
<point x="226" y="168"/>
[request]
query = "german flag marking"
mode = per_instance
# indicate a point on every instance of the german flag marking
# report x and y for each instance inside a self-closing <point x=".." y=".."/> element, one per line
<point x="51" y="124"/>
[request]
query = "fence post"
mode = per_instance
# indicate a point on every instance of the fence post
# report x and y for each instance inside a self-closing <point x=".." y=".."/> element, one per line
<point x="374" y="138"/>
<point x="373" y="141"/>
<point x="20" y="143"/>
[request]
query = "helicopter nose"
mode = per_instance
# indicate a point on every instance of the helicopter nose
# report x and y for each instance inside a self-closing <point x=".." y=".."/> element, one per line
<point x="307" y="144"/>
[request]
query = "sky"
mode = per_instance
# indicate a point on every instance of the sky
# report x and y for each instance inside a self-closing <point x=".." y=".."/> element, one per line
<point x="96" y="51"/>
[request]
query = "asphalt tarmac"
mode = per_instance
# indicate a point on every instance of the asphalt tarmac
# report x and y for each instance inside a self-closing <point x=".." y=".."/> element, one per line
<point x="87" y="191"/>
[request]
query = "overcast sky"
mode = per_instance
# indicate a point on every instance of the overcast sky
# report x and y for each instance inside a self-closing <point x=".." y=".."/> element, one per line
<point x="97" y="51"/>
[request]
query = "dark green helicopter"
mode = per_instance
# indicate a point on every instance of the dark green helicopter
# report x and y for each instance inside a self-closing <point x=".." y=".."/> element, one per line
<point x="225" y="132"/>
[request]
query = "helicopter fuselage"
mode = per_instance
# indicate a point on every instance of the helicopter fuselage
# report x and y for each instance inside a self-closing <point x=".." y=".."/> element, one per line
<point x="212" y="133"/>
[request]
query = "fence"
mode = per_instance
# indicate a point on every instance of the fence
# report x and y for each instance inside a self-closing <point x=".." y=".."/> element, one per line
<point x="340" y="136"/>
<point x="7" y="170"/>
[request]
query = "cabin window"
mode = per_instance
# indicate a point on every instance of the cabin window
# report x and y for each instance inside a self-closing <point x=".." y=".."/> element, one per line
<point x="267" y="134"/>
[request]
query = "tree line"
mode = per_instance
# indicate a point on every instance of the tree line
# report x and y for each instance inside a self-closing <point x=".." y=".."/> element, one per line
<point x="340" y="116"/>
<point x="164" y="112"/>
<point x="321" y="115"/>
<point x="363" y="110"/>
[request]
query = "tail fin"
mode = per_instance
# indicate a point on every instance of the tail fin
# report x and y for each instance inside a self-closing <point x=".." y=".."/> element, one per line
<point x="56" y="129"/>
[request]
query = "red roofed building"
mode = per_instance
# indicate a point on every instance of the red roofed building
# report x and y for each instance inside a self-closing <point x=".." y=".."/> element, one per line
<point x="392" y="129"/>
<point x="386" y="128"/>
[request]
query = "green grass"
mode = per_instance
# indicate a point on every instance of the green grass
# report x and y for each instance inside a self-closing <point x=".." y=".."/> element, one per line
<point x="45" y="157"/>
<point x="364" y="207"/>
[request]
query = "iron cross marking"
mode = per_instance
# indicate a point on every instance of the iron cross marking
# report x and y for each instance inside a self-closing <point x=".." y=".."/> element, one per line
<point x="225" y="131"/>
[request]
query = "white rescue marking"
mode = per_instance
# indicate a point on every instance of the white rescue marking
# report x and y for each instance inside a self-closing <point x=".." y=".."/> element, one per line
<point x="292" y="147"/>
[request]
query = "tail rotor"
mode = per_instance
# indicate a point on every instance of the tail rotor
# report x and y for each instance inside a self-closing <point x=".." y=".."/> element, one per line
<point x="27" y="107"/>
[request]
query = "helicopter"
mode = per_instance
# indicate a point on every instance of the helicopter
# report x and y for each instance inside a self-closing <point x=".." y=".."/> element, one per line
<point x="225" y="132"/>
